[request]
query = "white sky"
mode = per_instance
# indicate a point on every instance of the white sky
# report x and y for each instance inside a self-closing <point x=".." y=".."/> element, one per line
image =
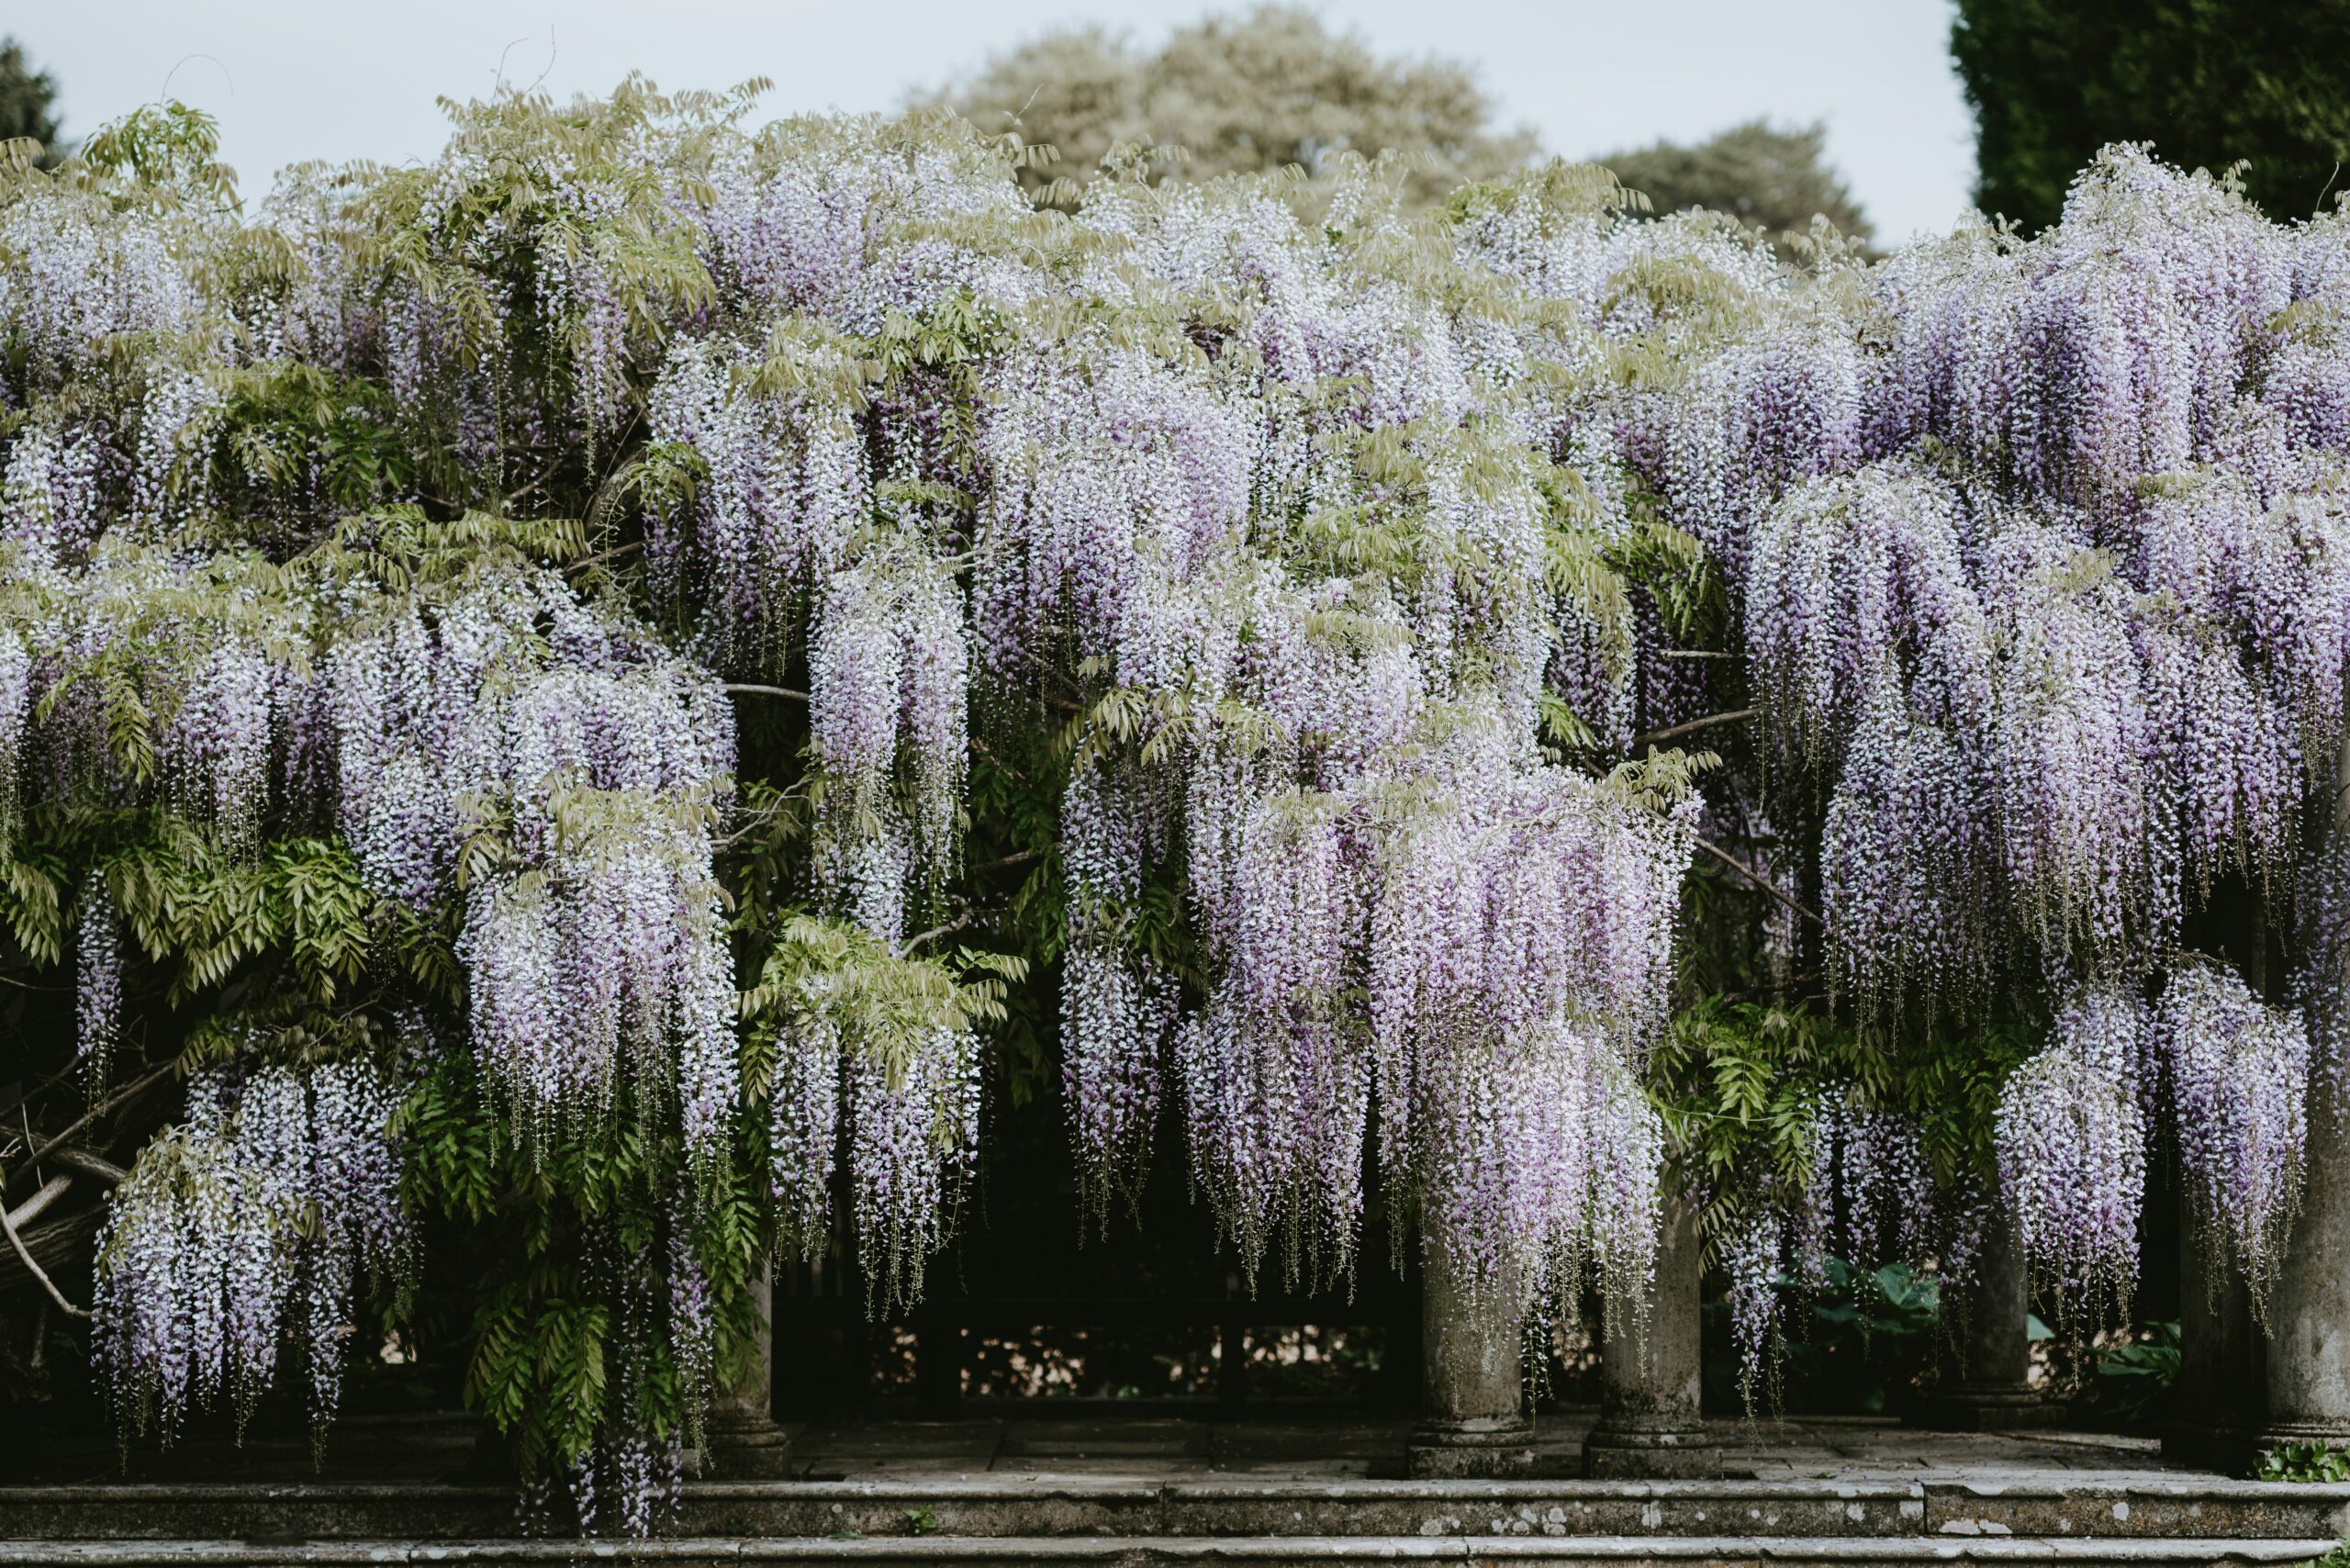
<point x="332" y="79"/>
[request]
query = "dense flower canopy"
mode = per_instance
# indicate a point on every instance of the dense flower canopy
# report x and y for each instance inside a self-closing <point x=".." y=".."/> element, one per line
<point x="588" y="669"/>
<point x="2042" y="550"/>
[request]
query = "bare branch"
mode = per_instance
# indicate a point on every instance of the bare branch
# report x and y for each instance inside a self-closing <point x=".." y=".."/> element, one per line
<point x="97" y="1167"/>
<point x="1726" y="858"/>
<point x="1707" y="723"/>
<point x="767" y="690"/>
<point x="1006" y="862"/>
<point x="953" y="925"/>
<point x="31" y="1206"/>
<point x="602" y="556"/>
<point x="45" y="1150"/>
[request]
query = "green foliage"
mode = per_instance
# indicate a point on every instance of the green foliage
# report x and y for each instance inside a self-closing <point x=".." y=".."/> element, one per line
<point x="1865" y="1330"/>
<point x="280" y="950"/>
<point x="158" y="155"/>
<point x="2132" y="1378"/>
<point x="1739" y="1084"/>
<point x="2304" y="1462"/>
<point x="1771" y="179"/>
<point x="550" y="1367"/>
<point x="290" y="428"/>
<point x="879" y="1002"/>
<point x="1854" y="1340"/>
<point x="2207" y="82"/>
<point x="1246" y="94"/>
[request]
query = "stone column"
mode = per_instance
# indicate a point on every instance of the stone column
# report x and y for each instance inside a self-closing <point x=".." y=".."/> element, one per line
<point x="1652" y="1372"/>
<point x="1472" y="1395"/>
<point x="744" y="1442"/>
<point x="2309" y="1316"/>
<point x="1991" y="1386"/>
<point x="2219" y="1356"/>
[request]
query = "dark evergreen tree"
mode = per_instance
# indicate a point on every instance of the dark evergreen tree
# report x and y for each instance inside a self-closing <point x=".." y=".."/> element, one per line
<point x="2207" y="82"/>
<point x="28" y="98"/>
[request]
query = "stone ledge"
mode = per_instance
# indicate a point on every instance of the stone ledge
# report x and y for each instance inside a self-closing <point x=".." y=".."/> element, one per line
<point x="1011" y="1507"/>
<point x="998" y="1486"/>
<point x="1714" y="1552"/>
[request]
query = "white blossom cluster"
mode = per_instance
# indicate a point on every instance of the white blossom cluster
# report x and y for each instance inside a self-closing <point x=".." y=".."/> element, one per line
<point x="248" y="1226"/>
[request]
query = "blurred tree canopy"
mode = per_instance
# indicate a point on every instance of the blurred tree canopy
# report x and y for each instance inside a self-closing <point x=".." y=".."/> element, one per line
<point x="25" y="98"/>
<point x="1247" y="93"/>
<point x="2207" y="82"/>
<point x="1771" y="179"/>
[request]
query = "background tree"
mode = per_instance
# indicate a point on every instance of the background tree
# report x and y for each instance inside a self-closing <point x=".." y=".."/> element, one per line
<point x="1768" y="178"/>
<point x="2209" y="82"/>
<point x="27" y="97"/>
<point x="1259" y="92"/>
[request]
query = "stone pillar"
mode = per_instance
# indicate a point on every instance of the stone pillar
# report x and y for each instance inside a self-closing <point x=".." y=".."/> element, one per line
<point x="2309" y="1316"/>
<point x="744" y="1442"/>
<point x="2219" y="1356"/>
<point x="1651" y="1373"/>
<point x="1472" y="1394"/>
<point x="2308" y="1375"/>
<point x="1991" y="1389"/>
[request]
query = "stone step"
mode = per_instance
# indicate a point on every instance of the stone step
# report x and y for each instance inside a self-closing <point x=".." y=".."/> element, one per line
<point x="1296" y="1551"/>
<point x="1015" y="1506"/>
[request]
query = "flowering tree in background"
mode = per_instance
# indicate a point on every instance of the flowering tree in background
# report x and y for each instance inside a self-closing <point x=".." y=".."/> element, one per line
<point x="1243" y="93"/>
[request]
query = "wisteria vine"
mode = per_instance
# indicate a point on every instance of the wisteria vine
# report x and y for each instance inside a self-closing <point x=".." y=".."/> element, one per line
<point x="571" y="608"/>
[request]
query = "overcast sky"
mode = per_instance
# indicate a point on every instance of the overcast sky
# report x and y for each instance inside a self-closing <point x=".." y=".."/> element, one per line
<point x="331" y="79"/>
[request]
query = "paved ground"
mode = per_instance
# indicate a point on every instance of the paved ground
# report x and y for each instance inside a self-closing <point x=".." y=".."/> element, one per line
<point x="1855" y="1448"/>
<point x="1115" y="1445"/>
<point x="1123" y="1490"/>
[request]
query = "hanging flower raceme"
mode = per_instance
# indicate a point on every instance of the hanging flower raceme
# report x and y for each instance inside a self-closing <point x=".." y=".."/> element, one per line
<point x="1857" y="582"/>
<point x="1874" y="1188"/>
<point x="2247" y="685"/>
<point x="83" y="275"/>
<point x="2071" y="1137"/>
<point x="752" y="495"/>
<point x="1117" y="477"/>
<point x="594" y="946"/>
<point x="1276" y="1080"/>
<point x="1776" y="409"/>
<point x="159" y="678"/>
<point x="2085" y="817"/>
<point x="889" y="704"/>
<point x="97" y="980"/>
<point x="1118" y="1006"/>
<point x="1509" y="932"/>
<point x="873" y="1070"/>
<point x="843" y="219"/>
<point x="1911" y="884"/>
<point x="2237" y="1072"/>
<point x="16" y="716"/>
<point x="247" y="1226"/>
